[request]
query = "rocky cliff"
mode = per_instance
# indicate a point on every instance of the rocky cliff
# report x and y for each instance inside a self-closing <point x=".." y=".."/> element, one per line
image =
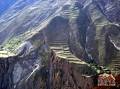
<point x="58" y="44"/>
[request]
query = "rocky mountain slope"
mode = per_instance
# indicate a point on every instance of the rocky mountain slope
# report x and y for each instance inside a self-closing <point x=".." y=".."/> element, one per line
<point x="58" y="44"/>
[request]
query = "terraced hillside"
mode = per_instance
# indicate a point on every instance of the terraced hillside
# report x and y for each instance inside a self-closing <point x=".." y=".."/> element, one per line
<point x="62" y="50"/>
<point x="115" y="64"/>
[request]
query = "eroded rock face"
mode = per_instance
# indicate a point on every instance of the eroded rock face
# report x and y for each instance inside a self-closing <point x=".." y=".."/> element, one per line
<point x="17" y="73"/>
<point x="59" y="74"/>
<point x="27" y="73"/>
<point x="17" y="70"/>
<point x="6" y="69"/>
<point x="67" y="76"/>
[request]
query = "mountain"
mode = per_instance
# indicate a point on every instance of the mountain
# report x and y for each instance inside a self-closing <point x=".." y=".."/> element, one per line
<point x="27" y="14"/>
<point x="58" y="44"/>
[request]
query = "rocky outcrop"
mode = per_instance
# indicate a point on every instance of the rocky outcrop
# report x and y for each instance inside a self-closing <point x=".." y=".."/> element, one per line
<point x="28" y="72"/>
<point x="6" y="69"/>
<point x="67" y="76"/>
<point x="17" y="69"/>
